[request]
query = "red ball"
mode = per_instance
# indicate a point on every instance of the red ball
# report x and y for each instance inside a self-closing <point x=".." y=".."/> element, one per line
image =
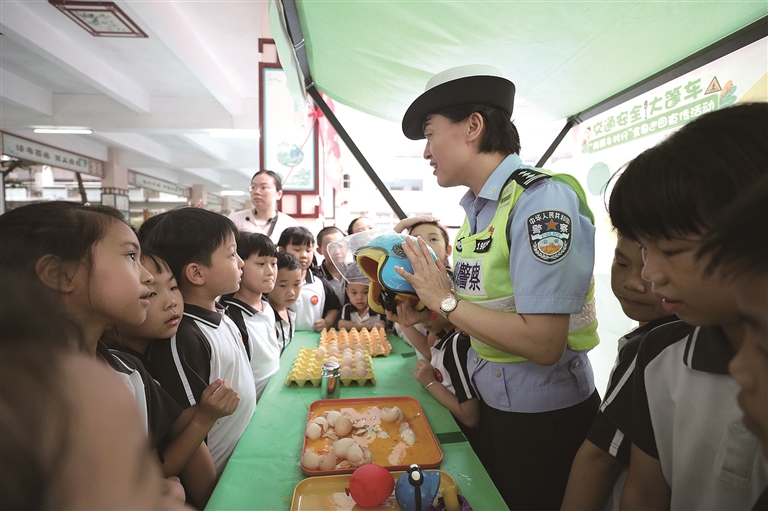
<point x="370" y="485"/>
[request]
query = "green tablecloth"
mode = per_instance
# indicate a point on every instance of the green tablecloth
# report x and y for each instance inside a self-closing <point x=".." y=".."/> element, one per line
<point x="264" y="469"/>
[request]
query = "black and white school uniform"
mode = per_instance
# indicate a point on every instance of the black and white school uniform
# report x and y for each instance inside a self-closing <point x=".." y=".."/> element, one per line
<point x="207" y="346"/>
<point x="258" y="331"/>
<point x="284" y="329"/>
<point x="336" y="284"/>
<point x="349" y="313"/>
<point x="315" y="300"/>
<point x="157" y="409"/>
<point x="685" y="414"/>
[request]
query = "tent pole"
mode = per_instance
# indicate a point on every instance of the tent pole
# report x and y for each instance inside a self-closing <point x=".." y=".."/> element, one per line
<point x="356" y="152"/>
<point x="570" y="123"/>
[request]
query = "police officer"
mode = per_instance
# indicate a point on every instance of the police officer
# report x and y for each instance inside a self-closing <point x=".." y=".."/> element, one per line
<point x="523" y="283"/>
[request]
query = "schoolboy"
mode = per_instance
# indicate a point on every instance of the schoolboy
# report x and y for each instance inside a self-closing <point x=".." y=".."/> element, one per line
<point x="186" y="455"/>
<point x="318" y="306"/>
<point x="603" y="458"/>
<point x="746" y="265"/>
<point x="200" y="248"/>
<point x="690" y="449"/>
<point x="327" y="269"/>
<point x="250" y="310"/>
<point x="285" y="293"/>
<point x="356" y="313"/>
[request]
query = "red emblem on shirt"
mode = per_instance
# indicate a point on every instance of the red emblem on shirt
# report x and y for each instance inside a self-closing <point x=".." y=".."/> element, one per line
<point x="315" y="299"/>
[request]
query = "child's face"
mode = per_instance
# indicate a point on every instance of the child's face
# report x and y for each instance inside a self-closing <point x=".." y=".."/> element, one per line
<point x="362" y="224"/>
<point x="286" y="290"/>
<point x="634" y="294"/>
<point x="115" y="289"/>
<point x="750" y="365"/>
<point x="166" y="306"/>
<point x="259" y="274"/>
<point x="358" y="296"/>
<point x="223" y="275"/>
<point x="679" y="279"/>
<point x="328" y="238"/>
<point x="302" y="252"/>
<point x="433" y="236"/>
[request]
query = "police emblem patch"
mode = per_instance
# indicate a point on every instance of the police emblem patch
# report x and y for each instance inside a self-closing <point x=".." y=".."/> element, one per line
<point x="549" y="235"/>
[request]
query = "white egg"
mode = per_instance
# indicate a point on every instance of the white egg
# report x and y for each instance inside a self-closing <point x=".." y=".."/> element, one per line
<point x="331" y="416"/>
<point x="314" y="430"/>
<point x="320" y="352"/>
<point x="322" y="421"/>
<point x="354" y="454"/>
<point x="346" y="372"/>
<point x="343" y="425"/>
<point x="310" y="460"/>
<point x="361" y="371"/>
<point x="344" y="345"/>
<point x="341" y="445"/>
<point x="333" y="350"/>
<point x="346" y="361"/>
<point x="333" y="358"/>
<point x="408" y="436"/>
<point x="327" y="462"/>
<point x="359" y="356"/>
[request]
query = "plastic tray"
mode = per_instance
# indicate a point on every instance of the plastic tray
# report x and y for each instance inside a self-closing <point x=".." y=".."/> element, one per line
<point x="391" y="453"/>
<point x="326" y="493"/>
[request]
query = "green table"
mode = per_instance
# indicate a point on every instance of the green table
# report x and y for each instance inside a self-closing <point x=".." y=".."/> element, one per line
<point x="264" y="469"/>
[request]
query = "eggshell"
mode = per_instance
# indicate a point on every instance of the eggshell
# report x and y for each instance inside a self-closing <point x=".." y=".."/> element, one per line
<point x="408" y="435"/>
<point x="343" y="425"/>
<point x="346" y="361"/>
<point x="322" y="421"/>
<point x="360" y="371"/>
<point x="320" y="352"/>
<point x="310" y="460"/>
<point x="314" y="430"/>
<point x="341" y="445"/>
<point x="354" y="453"/>
<point x="346" y="372"/>
<point x="327" y="462"/>
<point x="331" y="416"/>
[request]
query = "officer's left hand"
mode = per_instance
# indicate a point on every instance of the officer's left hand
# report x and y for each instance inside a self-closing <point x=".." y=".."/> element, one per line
<point x="429" y="279"/>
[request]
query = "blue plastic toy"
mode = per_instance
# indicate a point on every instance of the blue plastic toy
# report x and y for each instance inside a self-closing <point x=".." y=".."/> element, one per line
<point x="416" y="489"/>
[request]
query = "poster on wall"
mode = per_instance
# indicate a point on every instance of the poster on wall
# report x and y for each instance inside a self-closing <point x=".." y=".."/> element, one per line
<point x="288" y="134"/>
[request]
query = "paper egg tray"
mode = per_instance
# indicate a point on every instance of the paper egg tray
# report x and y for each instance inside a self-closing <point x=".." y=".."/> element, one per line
<point x="308" y="368"/>
<point x="373" y="340"/>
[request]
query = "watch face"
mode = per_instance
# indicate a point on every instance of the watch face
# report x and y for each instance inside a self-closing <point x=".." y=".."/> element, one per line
<point x="448" y="303"/>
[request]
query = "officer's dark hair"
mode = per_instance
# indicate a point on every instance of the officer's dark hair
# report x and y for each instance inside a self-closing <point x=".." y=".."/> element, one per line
<point x="296" y="235"/>
<point x="189" y="235"/>
<point x="500" y="132"/>
<point x="681" y="185"/>
<point x="325" y="231"/>
<point x="274" y="175"/>
<point x="250" y="243"/>
<point x="732" y="244"/>
<point x="286" y="261"/>
<point x="67" y="230"/>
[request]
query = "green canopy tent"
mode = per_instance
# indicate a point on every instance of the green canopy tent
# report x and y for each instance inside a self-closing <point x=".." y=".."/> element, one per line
<point x="569" y="59"/>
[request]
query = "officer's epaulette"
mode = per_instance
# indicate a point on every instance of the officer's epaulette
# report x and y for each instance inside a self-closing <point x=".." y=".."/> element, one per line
<point x="526" y="177"/>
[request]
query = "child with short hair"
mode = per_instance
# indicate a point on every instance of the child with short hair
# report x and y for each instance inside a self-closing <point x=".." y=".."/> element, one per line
<point x="690" y="449"/>
<point x="200" y="248"/>
<point x="327" y="269"/>
<point x="285" y="293"/>
<point x="356" y="313"/>
<point x="249" y="309"/>
<point x="318" y="306"/>
<point x="746" y="266"/>
<point x="601" y="462"/>
<point x="186" y="455"/>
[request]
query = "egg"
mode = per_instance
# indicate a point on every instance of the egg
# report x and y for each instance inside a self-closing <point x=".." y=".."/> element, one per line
<point x="346" y="360"/>
<point x="354" y="454"/>
<point x="344" y="345"/>
<point x="333" y="350"/>
<point x="358" y="347"/>
<point x="327" y="462"/>
<point x="391" y="414"/>
<point x="346" y="372"/>
<point x="361" y="371"/>
<point x="331" y="416"/>
<point x="408" y="436"/>
<point x="310" y="460"/>
<point x="320" y="352"/>
<point x="314" y="430"/>
<point x="359" y="356"/>
<point x="341" y="445"/>
<point x="322" y="422"/>
<point x="343" y="425"/>
<point x="333" y="359"/>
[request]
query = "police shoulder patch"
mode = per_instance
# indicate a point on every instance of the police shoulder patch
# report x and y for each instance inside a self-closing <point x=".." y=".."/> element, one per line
<point x="549" y="235"/>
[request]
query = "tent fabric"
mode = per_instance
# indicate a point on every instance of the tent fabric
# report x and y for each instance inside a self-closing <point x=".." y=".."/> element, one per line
<point x="563" y="56"/>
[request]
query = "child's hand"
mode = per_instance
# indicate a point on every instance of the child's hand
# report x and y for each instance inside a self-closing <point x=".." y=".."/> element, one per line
<point x="318" y="325"/>
<point x="218" y="400"/>
<point x="424" y="372"/>
<point x="379" y="324"/>
<point x="409" y="222"/>
<point x="407" y="315"/>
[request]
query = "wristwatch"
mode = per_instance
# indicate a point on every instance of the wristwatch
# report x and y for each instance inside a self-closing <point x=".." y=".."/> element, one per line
<point x="448" y="305"/>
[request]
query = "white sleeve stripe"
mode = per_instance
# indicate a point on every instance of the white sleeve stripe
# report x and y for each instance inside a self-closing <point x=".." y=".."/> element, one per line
<point x="618" y="438"/>
<point x="624" y="377"/>
<point x="692" y="347"/>
<point x="182" y="374"/>
<point x="461" y="370"/>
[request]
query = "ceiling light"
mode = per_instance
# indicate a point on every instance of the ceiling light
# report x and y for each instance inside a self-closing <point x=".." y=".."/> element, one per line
<point x="241" y="134"/>
<point x="65" y="131"/>
<point x="232" y="193"/>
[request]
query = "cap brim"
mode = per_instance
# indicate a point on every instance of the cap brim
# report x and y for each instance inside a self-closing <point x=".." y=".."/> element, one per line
<point x="485" y="90"/>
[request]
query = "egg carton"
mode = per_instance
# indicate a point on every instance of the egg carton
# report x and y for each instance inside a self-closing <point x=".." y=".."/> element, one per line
<point x="373" y="340"/>
<point x="307" y="368"/>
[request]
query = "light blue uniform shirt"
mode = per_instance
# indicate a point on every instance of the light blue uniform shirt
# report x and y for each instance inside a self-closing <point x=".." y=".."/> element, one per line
<point x="559" y="288"/>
